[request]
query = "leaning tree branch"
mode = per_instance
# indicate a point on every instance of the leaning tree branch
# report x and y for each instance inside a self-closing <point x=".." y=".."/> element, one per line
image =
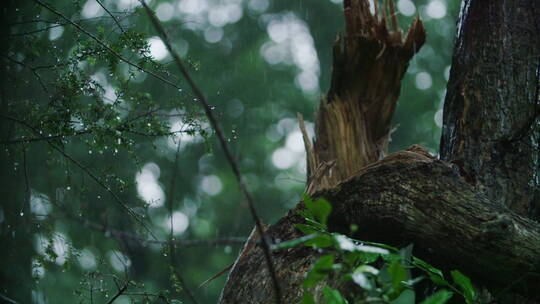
<point x="228" y="154"/>
<point x="112" y="16"/>
<point x="409" y="197"/>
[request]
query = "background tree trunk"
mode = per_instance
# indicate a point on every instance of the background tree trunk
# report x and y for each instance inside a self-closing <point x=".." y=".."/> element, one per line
<point x="15" y="227"/>
<point x="455" y="214"/>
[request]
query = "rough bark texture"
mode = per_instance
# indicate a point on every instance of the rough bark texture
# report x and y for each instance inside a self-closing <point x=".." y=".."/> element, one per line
<point x="492" y="104"/>
<point x="457" y="213"/>
<point x="407" y="197"/>
<point x="353" y="120"/>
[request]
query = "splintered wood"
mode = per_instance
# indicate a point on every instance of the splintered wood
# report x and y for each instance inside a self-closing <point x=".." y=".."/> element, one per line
<point x="353" y="123"/>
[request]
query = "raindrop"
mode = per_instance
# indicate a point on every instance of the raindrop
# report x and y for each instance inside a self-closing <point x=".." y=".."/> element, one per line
<point x="21" y="214"/>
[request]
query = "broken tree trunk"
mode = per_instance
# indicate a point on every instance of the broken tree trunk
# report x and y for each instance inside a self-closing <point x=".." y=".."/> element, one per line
<point x="405" y="197"/>
<point x="353" y="121"/>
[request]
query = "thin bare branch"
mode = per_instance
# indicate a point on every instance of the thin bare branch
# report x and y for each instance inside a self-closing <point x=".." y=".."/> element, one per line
<point x="26" y="202"/>
<point x="58" y="24"/>
<point x="7" y="300"/>
<point x="124" y="235"/>
<point x="33" y="70"/>
<point x="119" y="293"/>
<point x="112" y="16"/>
<point x="230" y="158"/>
<point x="172" y="247"/>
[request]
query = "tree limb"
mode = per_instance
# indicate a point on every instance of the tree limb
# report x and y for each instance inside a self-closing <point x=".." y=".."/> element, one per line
<point x="409" y="197"/>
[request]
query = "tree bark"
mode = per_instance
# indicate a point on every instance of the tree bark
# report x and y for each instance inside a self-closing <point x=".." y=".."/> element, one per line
<point x="353" y="121"/>
<point x="456" y="211"/>
<point x="407" y="197"/>
<point x="492" y="104"/>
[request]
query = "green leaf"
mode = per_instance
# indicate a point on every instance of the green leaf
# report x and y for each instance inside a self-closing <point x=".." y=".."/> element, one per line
<point x="321" y="241"/>
<point x="440" y="297"/>
<point x="406" y="297"/>
<point x="321" y="269"/>
<point x="332" y="296"/>
<point x="306" y="214"/>
<point x="295" y="242"/>
<point x="348" y="244"/>
<point x="406" y="254"/>
<point x="469" y="292"/>
<point x="307" y="298"/>
<point x="398" y="274"/>
<point x="306" y="229"/>
<point x="320" y="209"/>
<point x="362" y="280"/>
<point x="316" y="225"/>
<point x="410" y="283"/>
<point x="367" y="269"/>
<point x="435" y="275"/>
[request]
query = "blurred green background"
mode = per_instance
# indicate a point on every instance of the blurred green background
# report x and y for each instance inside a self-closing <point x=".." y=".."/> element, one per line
<point x="259" y="62"/>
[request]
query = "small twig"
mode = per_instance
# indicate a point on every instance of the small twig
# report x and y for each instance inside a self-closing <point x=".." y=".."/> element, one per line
<point x="26" y="183"/>
<point x="171" y="247"/>
<point x="55" y="24"/>
<point x="7" y="300"/>
<point x="121" y="128"/>
<point x="232" y="162"/>
<point x="124" y="235"/>
<point x="41" y="138"/>
<point x="32" y="69"/>
<point x="119" y="293"/>
<point x="112" y="16"/>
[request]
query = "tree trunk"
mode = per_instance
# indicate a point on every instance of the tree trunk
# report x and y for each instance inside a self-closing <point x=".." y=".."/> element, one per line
<point x="15" y="217"/>
<point x="455" y="210"/>
<point x="492" y="104"/>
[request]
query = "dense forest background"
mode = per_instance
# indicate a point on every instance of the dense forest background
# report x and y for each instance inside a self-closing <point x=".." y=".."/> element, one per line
<point x="98" y="155"/>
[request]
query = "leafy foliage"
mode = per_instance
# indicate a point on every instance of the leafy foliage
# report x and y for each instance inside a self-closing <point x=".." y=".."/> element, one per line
<point x="384" y="273"/>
